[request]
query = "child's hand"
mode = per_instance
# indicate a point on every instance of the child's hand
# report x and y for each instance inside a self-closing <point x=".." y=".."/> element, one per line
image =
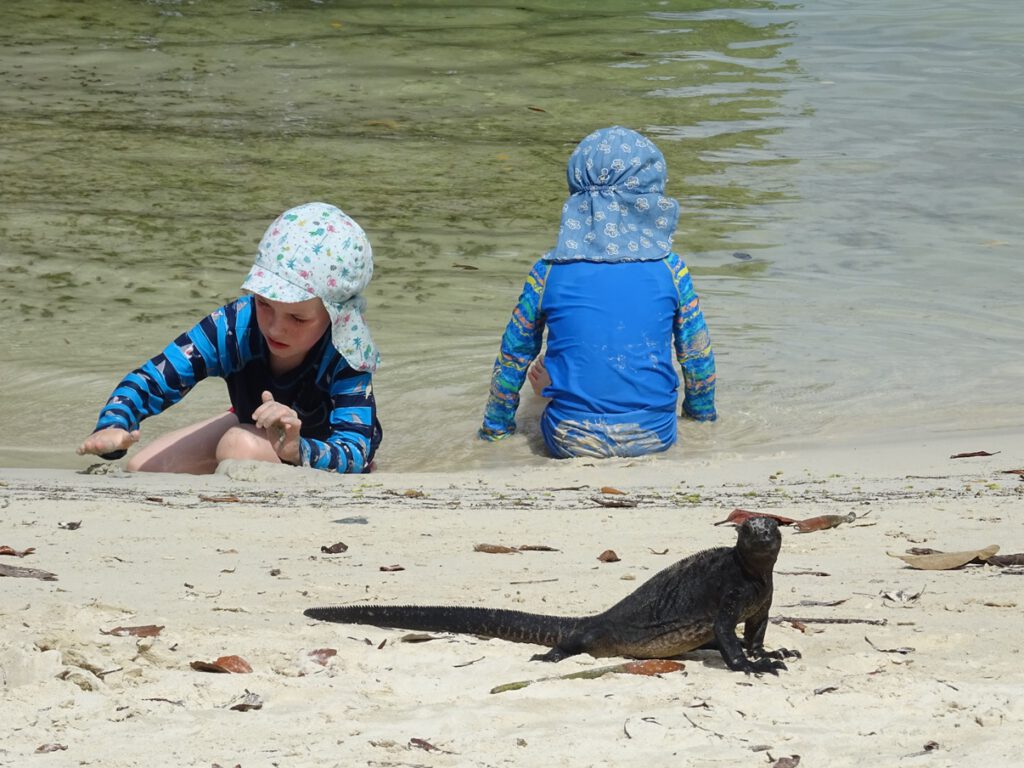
<point x="282" y="426"/>
<point x="108" y="440"/>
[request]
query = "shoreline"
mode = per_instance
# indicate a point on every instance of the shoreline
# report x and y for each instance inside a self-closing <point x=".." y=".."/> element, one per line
<point x="226" y="563"/>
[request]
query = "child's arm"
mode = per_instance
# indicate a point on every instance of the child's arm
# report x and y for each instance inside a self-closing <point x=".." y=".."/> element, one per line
<point x="212" y="347"/>
<point x="520" y="344"/>
<point x="350" y="446"/>
<point x="693" y="348"/>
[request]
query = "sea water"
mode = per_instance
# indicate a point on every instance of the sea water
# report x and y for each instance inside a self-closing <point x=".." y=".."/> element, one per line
<point x="851" y="179"/>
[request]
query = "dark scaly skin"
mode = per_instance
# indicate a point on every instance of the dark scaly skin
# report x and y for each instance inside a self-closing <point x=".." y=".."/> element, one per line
<point x="695" y="602"/>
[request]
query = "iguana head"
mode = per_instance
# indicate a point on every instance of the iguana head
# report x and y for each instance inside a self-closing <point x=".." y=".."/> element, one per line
<point x="758" y="543"/>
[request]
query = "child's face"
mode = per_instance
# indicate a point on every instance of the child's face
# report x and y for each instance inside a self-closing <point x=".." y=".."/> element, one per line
<point x="290" y="329"/>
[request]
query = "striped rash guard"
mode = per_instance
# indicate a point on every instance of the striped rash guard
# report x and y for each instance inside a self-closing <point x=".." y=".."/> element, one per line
<point x="335" y="403"/>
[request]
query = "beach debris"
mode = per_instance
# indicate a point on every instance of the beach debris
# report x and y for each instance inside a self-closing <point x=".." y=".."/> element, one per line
<point x="154" y="499"/>
<point x="1014" y="472"/>
<point x="946" y="561"/>
<point x="647" y="667"/>
<point x="247" y="702"/>
<point x="739" y="516"/>
<point x="231" y="499"/>
<point x="614" y="501"/>
<point x="495" y="549"/>
<point x="826" y="620"/>
<point x="143" y="630"/>
<point x="73" y="526"/>
<point x="235" y="664"/>
<point x="417" y="637"/>
<point x="5" y="550"/>
<point x="392" y="568"/>
<point x="802" y="573"/>
<point x="426" y="746"/>
<point x="501" y="549"/>
<point x="929" y="746"/>
<point x="608" y="556"/>
<point x="17" y="572"/>
<point x="822" y="522"/>
<point x="792" y="761"/>
<point x="409" y="493"/>
<point x="1017" y="558"/>
<point x="901" y="597"/>
<point x="610" y="491"/>
<point x="902" y="650"/>
<point x="816" y="603"/>
<point x="273" y="571"/>
<point x="654" y="551"/>
<point x="467" y="267"/>
<point x="356" y="520"/>
<point x="972" y="454"/>
<point x="51" y="747"/>
<point x="536" y="109"/>
<point x="322" y="655"/>
<point x="335" y="549"/>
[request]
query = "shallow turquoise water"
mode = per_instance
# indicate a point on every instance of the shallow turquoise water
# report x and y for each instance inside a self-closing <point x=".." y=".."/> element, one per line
<point x="866" y="157"/>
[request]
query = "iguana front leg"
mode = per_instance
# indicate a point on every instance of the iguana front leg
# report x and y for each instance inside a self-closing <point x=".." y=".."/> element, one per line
<point x="753" y="639"/>
<point x="729" y="643"/>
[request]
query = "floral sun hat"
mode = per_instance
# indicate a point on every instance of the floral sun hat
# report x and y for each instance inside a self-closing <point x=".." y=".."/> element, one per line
<point x="617" y="209"/>
<point x="315" y="250"/>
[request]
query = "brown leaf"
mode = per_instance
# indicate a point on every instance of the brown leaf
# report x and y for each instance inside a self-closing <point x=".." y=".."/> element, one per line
<point x="392" y="568"/>
<point x="608" y="556"/>
<point x="612" y="491"/>
<point x="787" y="762"/>
<point x="409" y="494"/>
<point x="234" y="664"/>
<point x="494" y="549"/>
<point x="651" y="667"/>
<point x="322" y="655"/>
<point x="1014" y="472"/>
<point x="798" y="625"/>
<point x="220" y="499"/>
<point x="972" y="454"/>
<point x="946" y="561"/>
<point x="739" y="516"/>
<point x="335" y="549"/>
<point x="52" y="747"/>
<point x="155" y="499"/>
<point x="17" y="572"/>
<point x="822" y="522"/>
<point x="145" y="630"/>
<point x="468" y="267"/>
<point x="536" y="109"/>
<point x="537" y="548"/>
<point x="416" y="637"/>
<point x="5" y="550"/>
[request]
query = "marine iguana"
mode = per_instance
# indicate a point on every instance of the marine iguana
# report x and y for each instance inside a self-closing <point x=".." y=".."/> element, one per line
<point x="696" y="602"/>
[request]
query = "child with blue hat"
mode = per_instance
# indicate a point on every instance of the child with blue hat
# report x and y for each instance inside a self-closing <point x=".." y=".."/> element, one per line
<point x="618" y="304"/>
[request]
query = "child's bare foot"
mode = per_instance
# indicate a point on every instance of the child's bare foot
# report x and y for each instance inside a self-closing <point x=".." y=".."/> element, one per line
<point x="538" y="376"/>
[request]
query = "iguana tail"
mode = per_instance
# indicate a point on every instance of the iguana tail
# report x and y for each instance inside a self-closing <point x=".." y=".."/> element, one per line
<point x="514" y="626"/>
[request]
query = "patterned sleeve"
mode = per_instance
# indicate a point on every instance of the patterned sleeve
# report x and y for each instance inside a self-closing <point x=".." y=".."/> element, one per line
<point x="217" y="345"/>
<point x="520" y="344"/>
<point x="693" y="347"/>
<point x="351" y="444"/>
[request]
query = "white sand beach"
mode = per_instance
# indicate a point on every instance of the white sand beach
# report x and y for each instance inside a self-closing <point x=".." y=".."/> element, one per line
<point x="921" y="668"/>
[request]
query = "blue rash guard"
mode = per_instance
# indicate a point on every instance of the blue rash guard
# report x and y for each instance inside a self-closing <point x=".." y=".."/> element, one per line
<point x="612" y="332"/>
<point x="335" y="403"/>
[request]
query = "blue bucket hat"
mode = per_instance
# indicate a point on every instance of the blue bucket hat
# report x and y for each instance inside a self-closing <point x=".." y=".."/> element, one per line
<point x="617" y="209"/>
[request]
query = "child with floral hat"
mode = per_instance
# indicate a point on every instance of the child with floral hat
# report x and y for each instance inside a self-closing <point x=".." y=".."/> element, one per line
<point x="295" y="352"/>
<point x="616" y="302"/>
